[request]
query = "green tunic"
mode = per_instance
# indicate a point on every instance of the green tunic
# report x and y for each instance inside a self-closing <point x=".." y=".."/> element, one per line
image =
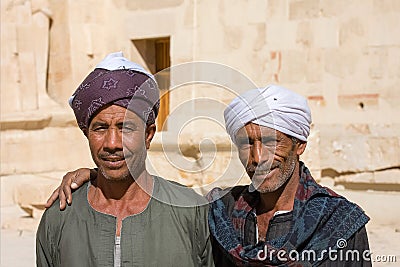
<point x="161" y="235"/>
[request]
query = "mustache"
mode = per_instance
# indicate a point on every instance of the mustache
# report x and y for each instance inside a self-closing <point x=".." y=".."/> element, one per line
<point x="263" y="168"/>
<point x="116" y="154"/>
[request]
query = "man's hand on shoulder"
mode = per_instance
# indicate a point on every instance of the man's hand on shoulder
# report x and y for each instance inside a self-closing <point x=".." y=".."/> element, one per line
<point x="71" y="181"/>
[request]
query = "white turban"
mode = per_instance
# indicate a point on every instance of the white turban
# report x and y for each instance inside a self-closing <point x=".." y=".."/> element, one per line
<point x="274" y="107"/>
<point x="117" y="61"/>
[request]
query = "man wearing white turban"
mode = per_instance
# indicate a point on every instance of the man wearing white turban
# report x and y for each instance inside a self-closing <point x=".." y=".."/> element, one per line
<point x="283" y="218"/>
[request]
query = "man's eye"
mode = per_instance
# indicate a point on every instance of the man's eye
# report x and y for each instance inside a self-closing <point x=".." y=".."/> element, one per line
<point x="245" y="143"/>
<point x="99" y="128"/>
<point x="269" y="142"/>
<point x="127" y="129"/>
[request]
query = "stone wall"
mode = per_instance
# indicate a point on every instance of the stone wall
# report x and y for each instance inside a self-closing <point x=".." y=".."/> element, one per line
<point x="342" y="55"/>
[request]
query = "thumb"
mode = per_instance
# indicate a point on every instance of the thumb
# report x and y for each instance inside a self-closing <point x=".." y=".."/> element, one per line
<point x="74" y="185"/>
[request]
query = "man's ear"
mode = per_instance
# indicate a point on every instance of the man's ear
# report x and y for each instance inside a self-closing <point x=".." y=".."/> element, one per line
<point x="150" y="131"/>
<point x="301" y="146"/>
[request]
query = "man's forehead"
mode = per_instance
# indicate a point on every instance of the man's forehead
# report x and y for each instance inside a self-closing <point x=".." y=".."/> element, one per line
<point x="117" y="111"/>
<point x="110" y="110"/>
<point x="253" y="127"/>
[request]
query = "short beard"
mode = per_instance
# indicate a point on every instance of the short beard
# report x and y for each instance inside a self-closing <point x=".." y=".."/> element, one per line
<point x="118" y="179"/>
<point x="284" y="175"/>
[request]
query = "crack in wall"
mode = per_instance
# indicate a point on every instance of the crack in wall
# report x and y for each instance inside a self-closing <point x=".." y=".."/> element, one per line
<point x="371" y="184"/>
<point x="330" y="172"/>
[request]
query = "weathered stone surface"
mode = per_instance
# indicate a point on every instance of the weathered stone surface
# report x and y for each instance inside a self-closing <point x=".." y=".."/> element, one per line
<point x="357" y="149"/>
<point x="152" y="4"/>
<point x="314" y="68"/>
<point x="305" y="9"/>
<point x="386" y="179"/>
<point x="26" y="121"/>
<point x="43" y="150"/>
<point x="59" y="81"/>
<point x="256" y="12"/>
<point x="325" y="32"/>
<point x="28" y="189"/>
<point x="277" y="9"/>
<point x="381" y="31"/>
<point x="295" y="71"/>
<point x="285" y="41"/>
<point x="352" y="32"/>
<point x="305" y="34"/>
<point x="341" y="63"/>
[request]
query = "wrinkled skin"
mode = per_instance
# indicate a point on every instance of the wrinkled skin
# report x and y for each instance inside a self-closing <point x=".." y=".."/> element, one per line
<point x="107" y="145"/>
<point x="268" y="156"/>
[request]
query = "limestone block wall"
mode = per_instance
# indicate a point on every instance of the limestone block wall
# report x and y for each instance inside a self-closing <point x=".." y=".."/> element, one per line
<point x="35" y="128"/>
<point x="342" y="55"/>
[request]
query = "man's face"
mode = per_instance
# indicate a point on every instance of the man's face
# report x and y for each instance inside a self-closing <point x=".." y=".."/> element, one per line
<point x="110" y="151"/>
<point x="268" y="155"/>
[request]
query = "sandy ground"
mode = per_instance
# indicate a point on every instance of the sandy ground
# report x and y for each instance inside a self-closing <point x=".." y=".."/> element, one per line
<point x="18" y="240"/>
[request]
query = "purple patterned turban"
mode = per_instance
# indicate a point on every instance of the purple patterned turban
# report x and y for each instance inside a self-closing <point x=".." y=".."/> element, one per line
<point x="116" y="81"/>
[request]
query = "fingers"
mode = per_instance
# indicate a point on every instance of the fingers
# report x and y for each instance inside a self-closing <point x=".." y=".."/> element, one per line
<point x="71" y="181"/>
<point x="52" y="198"/>
<point x="74" y="185"/>
<point x="80" y="177"/>
<point x="58" y="193"/>
<point x="62" y="197"/>
<point x="65" y="192"/>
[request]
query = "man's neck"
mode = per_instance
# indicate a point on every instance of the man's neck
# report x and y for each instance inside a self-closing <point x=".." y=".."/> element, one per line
<point x="128" y="196"/>
<point x="281" y="199"/>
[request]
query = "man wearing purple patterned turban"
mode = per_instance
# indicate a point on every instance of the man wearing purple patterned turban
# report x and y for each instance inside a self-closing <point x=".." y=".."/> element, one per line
<point x="124" y="216"/>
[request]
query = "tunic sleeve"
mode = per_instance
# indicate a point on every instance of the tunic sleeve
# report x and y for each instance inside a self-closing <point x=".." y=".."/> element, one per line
<point x="44" y="243"/>
<point x="205" y="255"/>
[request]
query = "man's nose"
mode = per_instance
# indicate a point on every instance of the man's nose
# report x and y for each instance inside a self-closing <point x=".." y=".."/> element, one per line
<point x="257" y="153"/>
<point x="113" y="140"/>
